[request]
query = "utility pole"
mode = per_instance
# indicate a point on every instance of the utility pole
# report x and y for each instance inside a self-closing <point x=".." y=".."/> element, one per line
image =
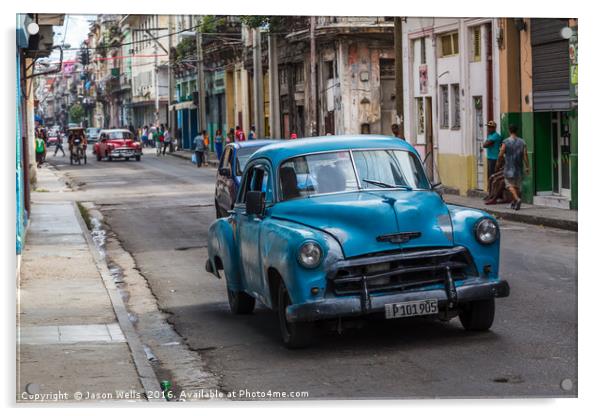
<point x="274" y="87"/>
<point x="156" y="85"/>
<point x="171" y="119"/>
<point x="200" y="79"/>
<point x="258" y="84"/>
<point x="313" y="101"/>
<point x="398" y="46"/>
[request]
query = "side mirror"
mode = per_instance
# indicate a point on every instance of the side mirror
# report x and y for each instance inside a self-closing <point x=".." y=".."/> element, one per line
<point x="225" y="172"/>
<point x="438" y="187"/>
<point x="255" y="203"/>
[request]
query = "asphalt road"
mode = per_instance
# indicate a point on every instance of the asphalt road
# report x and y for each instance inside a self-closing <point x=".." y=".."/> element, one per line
<point x="161" y="208"/>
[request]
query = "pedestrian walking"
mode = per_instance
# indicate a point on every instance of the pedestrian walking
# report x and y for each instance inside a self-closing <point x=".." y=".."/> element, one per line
<point x="59" y="144"/>
<point x="219" y="143"/>
<point x="199" y="149"/>
<point x="206" y="151"/>
<point x="40" y="151"/>
<point x="514" y="153"/>
<point x="230" y="136"/>
<point x="239" y="134"/>
<point x="252" y="134"/>
<point x="396" y="130"/>
<point x="492" y="144"/>
<point x="145" y="136"/>
<point x="166" y="141"/>
<point x="156" y="138"/>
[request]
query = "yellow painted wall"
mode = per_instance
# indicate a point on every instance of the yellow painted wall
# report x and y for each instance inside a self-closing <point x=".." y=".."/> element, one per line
<point x="457" y="171"/>
<point x="230" y="99"/>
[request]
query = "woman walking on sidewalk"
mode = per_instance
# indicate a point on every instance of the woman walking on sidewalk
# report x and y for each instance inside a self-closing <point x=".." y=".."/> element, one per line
<point x="219" y="143"/>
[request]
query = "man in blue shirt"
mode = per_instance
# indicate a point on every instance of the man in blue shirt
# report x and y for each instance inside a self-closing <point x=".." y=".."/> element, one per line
<point x="492" y="144"/>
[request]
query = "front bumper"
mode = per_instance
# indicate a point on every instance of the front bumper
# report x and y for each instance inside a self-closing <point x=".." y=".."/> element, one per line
<point x="347" y="306"/>
<point x="123" y="153"/>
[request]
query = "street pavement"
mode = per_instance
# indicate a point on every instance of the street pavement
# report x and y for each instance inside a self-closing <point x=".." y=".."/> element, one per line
<point x="160" y="210"/>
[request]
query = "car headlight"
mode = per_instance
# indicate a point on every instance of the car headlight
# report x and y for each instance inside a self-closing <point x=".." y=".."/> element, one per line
<point x="486" y="231"/>
<point x="310" y="254"/>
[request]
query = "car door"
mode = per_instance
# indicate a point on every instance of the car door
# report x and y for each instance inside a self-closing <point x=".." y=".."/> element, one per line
<point x="257" y="178"/>
<point x="223" y="192"/>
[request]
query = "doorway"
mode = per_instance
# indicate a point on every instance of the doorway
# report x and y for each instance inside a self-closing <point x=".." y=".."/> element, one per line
<point x="561" y="150"/>
<point x="477" y="111"/>
<point x="428" y="133"/>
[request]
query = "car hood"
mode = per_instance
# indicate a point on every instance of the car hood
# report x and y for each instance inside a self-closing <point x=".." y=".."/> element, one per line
<point x="121" y="143"/>
<point x="357" y="219"/>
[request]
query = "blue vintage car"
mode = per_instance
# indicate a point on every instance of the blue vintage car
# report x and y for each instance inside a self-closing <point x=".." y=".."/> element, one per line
<point x="337" y="227"/>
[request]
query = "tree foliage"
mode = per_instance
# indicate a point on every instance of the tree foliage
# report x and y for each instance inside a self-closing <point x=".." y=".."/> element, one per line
<point x="271" y="23"/>
<point x="76" y="113"/>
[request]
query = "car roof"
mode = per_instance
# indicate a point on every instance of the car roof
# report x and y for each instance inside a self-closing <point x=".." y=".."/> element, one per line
<point x="114" y="130"/>
<point x="252" y="143"/>
<point x="285" y="149"/>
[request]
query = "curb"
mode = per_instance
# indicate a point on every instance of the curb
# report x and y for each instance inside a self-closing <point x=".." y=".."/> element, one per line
<point x="146" y="374"/>
<point x="187" y="156"/>
<point x="535" y="220"/>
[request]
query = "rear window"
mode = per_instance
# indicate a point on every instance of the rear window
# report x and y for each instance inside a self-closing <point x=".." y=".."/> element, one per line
<point x="243" y="155"/>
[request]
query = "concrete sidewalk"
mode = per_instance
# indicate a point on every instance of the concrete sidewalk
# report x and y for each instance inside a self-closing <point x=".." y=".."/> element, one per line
<point x="71" y="346"/>
<point x="531" y="214"/>
<point x="187" y="154"/>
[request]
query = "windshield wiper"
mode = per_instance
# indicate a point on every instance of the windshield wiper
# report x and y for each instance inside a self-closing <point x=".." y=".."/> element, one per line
<point x="386" y="185"/>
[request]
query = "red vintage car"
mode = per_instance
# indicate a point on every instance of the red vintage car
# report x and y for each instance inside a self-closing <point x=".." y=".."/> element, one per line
<point x="117" y="144"/>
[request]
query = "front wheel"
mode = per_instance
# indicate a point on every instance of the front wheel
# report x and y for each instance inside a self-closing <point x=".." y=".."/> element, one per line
<point x="240" y="302"/>
<point x="138" y="158"/>
<point x="294" y="334"/>
<point x="98" y="157"/>
<point x="477" y="315"/>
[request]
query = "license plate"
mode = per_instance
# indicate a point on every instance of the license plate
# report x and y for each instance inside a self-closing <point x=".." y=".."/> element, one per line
<point x="413" y="308"/>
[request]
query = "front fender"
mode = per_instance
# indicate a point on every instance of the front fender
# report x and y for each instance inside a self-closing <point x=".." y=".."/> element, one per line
<point x="280" y="242"/>
<point x="463" y="223"/>
<point x="223" y="253"/>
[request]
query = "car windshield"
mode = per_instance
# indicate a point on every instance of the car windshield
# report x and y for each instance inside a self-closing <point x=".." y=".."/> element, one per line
<point x="389" y="169"/>
<point x="243" y="155"/>
<point x="317" y="174"/>
<point x="118" y="135"/>
<point x="323" y="173"/>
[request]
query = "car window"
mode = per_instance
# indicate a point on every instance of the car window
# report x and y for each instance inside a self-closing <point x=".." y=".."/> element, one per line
<point x="317" y="174"/>
<point x="389" y="168"/>
<point x="257" y="179"/>
<point x="227" y="157"/>
<point x="242" y="157"/>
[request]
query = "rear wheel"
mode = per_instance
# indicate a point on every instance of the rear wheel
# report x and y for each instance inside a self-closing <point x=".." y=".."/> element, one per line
<point x="294" y="334"/>
<point x="240" y="302"/>
<point x="98" y="157"/>
<point x="477" y="315"/>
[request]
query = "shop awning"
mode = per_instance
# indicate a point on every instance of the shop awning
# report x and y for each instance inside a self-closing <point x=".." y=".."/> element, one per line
<point x="187" y="105"/>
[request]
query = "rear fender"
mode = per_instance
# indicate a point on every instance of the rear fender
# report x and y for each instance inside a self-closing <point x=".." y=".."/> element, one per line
<point x="221" y="244"/>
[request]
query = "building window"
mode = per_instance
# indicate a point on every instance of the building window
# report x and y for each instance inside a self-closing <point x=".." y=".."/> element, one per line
<point x="449" y="44"/>
<point x="444" y="106"/>
<point x="299" y="73"/>
<point x="387" y="68"/>
<point x="455" y="105"/>
<point x="282" y="74"/>
<point x="419" y="115"/>
<point x="476" y="44"/>
<point x="422" y="51"/>
<point x="329" y="69"/>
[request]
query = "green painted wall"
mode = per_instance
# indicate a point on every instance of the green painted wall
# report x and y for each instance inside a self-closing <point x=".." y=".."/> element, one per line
<point x="573" y="127"/>
<point x="543" y="152"/>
